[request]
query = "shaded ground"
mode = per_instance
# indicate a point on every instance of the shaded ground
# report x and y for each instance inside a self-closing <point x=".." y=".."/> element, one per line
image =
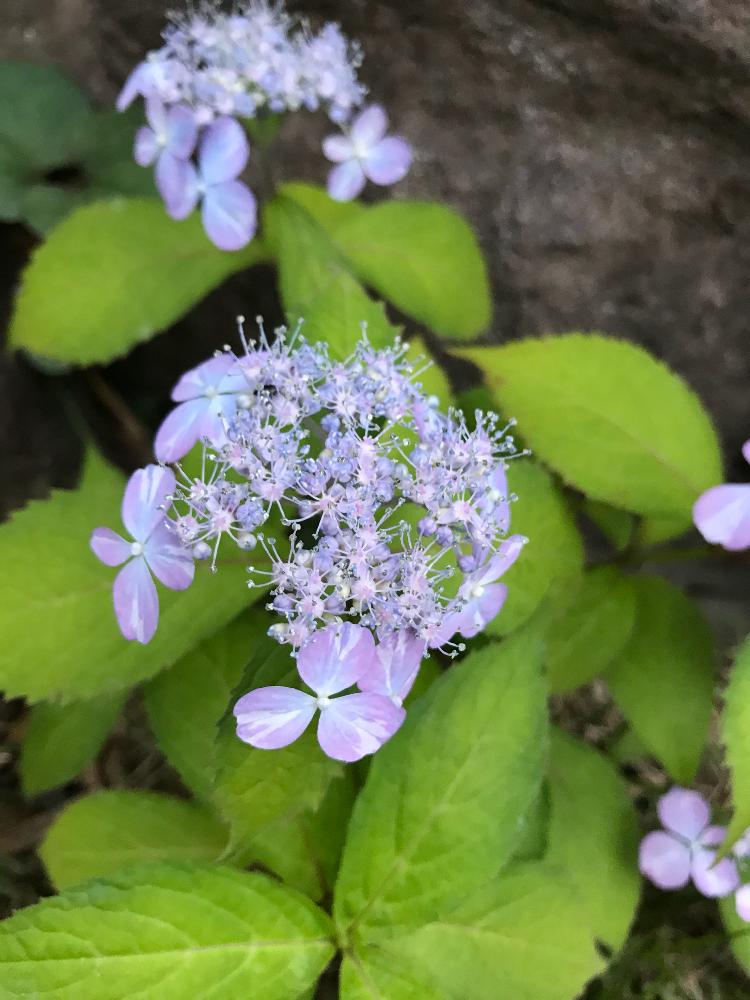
<point x="601" y="149"/>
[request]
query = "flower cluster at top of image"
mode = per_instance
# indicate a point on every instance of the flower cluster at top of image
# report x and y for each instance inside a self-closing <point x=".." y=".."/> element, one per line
<point x="392" y="525"/>
<point x="216" y="70"/>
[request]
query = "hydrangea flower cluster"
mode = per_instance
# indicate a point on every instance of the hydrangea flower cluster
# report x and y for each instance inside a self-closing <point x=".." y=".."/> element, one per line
<point x="722" y="514"/>
<point x="215" y="68"/>
<point x="394" y="516"/>
<point x="685" y="850"/>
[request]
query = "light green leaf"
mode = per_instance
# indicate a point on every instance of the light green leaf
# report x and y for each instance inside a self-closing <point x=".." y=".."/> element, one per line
<point x="305" y="850"/>
<point x="738" y="931"/>
<point x="336" y="314"/>
<point x="315" y="200"/>
<point x="186" y="702"/>
<point x="444" y="799"/>
<point x="654" y="530"/>
<point x="663" y="679"/>
<point x="256" y="788"/>
<point x="149" y="271"/>
<point x="56" y="607"/>
<point x="593" y="837"/>
<point x="586" y="405"/>
<point x="554" y="554"/>
<point x="735" y="734"/>
<point x="374" y="973"/>
<point x="522" y="937"/>
<point x="589" y="628"/>
<point x="424" y="259"/>
<point x="166" y="930"/>
<point x="101" y="833"/>
<point x="62" y="739"/>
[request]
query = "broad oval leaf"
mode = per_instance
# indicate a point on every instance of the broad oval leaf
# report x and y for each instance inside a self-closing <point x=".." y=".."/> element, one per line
<point x="425" y="259"/>
<point x="372" y="973"/>
<point x="186" y="702"/>
<point x="663" y="679"/>
<point x="56" y="607"/>
<point x="735" y="733"/>
<point x="593" y="837"/>
<point x="442" y="807"/>
<point x="589" y="628"/>
<point x="180" y="931"/>
<point x="609" y="418"/>
<point x="523" y="936"/>
<point x="109" y="830"/>
<point x="125" y="271"/>
<point x="61" y="740"/>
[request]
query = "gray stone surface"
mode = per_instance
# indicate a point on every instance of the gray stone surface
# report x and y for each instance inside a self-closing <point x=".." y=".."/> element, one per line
<point x="601" y="148"/>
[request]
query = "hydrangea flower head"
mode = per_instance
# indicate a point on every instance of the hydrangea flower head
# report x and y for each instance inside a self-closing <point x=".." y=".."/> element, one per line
<point x="686" y="848"/>
<point x="365" y="153"/>
<point x="394" y="517"/>
<point x="216" y="67"/>
<point x="154" y="549"/>
<point x="722" y="514"/>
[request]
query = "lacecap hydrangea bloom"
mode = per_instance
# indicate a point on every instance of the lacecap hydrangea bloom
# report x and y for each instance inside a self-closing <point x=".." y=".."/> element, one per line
<point x="685" y="851"/>
<point x="393" y="525"/>
<point x="215" y="69"/>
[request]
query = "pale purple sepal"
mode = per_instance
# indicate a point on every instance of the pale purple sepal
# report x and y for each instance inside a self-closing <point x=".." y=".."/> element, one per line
<point x="395" y="667"/>
<point x="346" y="181"/>
<point x="179" y="431"/>
<point x="136" y="601"/>
<point x="722" y="515"/>
<point x="369" y="127"/>
<point x="224" y="151"/>
<point x="137" y="84"/>
<point x="109" y="547"/>
<point x="229" y="215"/>
<point x="389" y="161"/>
<point x="335" y="658"/>
<point x="711" y="878"/>
<point x="145" y="498"/>
<point x="170" y="563"/>
<point x="179" y="185"/>
<point x="742" y="902"/>
<point x="664" y="860"/>
<point x="357" y="724"/>
<point x="684" y="812"/>
<point x="145" y="147"/>
<point x="273" y="717"/>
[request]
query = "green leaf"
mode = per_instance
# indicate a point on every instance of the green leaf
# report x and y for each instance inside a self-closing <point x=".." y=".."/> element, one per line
<point x="589" y="628"/>
<point x="149" y="271"/>
<point x="735" y="734"/>
<point x="40" y="114"/>
<point x="62" y="739"/>
<point x="586" y="405"/>
<point x="55" y="152"/>
<point x="738" y="931"/>
<point x="554" y="553"/>
<point x="523" y="936"/>
<point x="336" y="314"/>
<point x="663" y="679"/>
<point x="166" y="930"/>
<point x="424" y="259"/>
<point x="441" y="810"/>
<point x="56" y="607"/>
<point x="372" y="973"/>
<point x="593" y="837"/>
<point x="186" y="702"/>
<point x="256" y="788"/>
<point x="305" y="850"/>
<point x="315" y="200"/>
<point x="101" y="833"/>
